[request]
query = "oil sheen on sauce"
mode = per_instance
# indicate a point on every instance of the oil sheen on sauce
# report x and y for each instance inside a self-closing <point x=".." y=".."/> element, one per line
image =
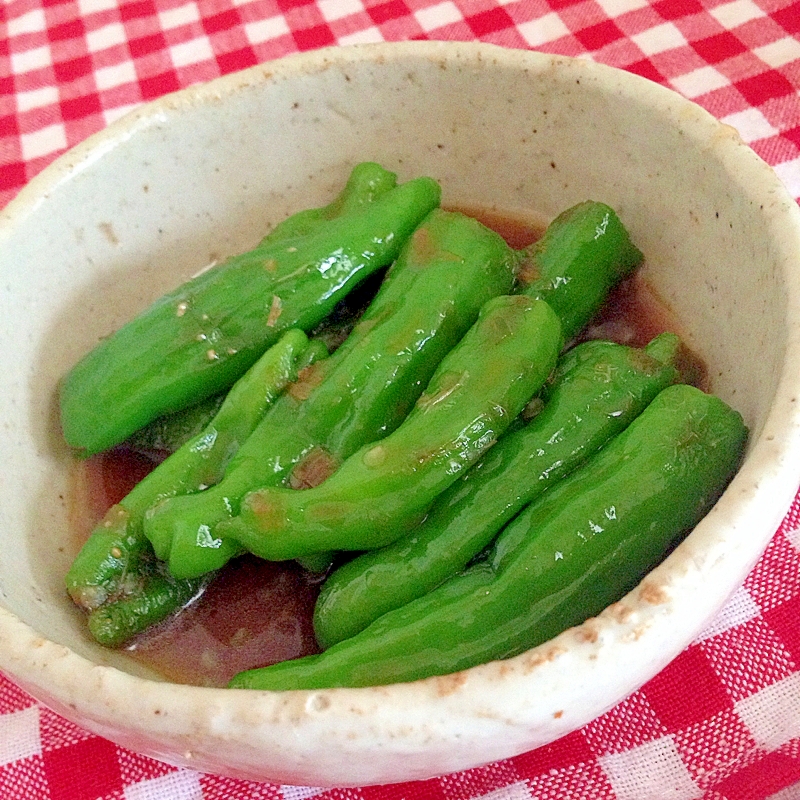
<point x="256" y="613"/>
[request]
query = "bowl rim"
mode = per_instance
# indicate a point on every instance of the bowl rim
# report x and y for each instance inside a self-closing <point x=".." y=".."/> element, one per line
<point x="74" y="685"/>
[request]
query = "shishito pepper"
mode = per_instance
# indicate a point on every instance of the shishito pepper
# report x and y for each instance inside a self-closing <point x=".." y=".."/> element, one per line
<point x="448" y="269"/>
<point x="579" y="547"/>
<point x="367" y="183"/>
<point x="197" y="340"/>
<point x="478" y="390"/>
<point x="108" y="566"/>
<point x="583" y="254"/>
<point x="168" y="433"/>
<point x="597" y="389"/>
<point x="118" y="568"/>
<point x="155" y="596"/>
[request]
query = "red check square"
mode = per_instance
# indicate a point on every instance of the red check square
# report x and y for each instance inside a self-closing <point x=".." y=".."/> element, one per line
<point x="678" y="708"/>
<point x="136" y="10"/>
<point x="312" y="38"/>
<point x="570" y="749"/>
<point x="158" y="85"/>
<point x="788" y="18"/>
<point x="719" y="48"/>
<point x="221" y="22"/>
<point x="766" y="86"/>
<point x="496" y="19"/>
<point x="83" y="771"/>
<point x="761" y="779"/>
<point x="677" y="9"/>
<point x="784" y="620"/>
<point x="599" y="35"/>
<point x="420" y="790"/>
<point x="147" y="44"/>
<point x="67" y="30"/>
<point x="383" y="12"/>
<point x="646" y="69"/>
<point x="236" y="60"/>
<point x="67" y="71"/>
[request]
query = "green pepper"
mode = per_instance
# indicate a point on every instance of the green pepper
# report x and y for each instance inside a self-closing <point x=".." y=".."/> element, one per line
<point x="597" y="389"/>
<point x="368" y="182"/>
<point x="477" y="391"/>
<point x="197" y="340"/>
<point x="137" y="591"/>
<point x="108" y="561"/>
<point x="446" y="271"/>
<point x="155" y="596"/>
<point x="168" y="433"/>
<point x="583" y="254"/>
<point x="581" y="546"/>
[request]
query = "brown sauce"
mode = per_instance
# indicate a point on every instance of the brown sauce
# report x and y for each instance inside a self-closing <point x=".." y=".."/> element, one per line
<point x="256" y="613"/>
<point x="518" y="231"/>
<point x="253" y="614"/>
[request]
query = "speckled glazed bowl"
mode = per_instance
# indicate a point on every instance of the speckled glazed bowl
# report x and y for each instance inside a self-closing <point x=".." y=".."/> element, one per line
<point x="201" y="174"/>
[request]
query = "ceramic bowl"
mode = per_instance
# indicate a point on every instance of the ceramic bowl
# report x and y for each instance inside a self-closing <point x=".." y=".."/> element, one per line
<point x="203" y="173"/>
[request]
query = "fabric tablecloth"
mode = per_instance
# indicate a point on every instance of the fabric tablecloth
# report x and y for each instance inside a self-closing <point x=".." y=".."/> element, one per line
<point x="722" y="722"/>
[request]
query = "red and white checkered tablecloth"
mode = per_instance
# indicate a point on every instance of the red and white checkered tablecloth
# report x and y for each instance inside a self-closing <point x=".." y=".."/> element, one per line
<point x="722" y="722"/>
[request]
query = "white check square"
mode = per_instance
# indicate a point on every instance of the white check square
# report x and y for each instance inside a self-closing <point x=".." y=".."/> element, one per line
<point x="751" y="124"/>
<point x="438" y="16"/>
<point x="43" y="142"/>
<point x="37" y="98"/>
<point x="659" y="39"/>
<point x="92" y="6"/>
<point x="175" y="17"/>
<point x="794" y="538"/>
<point x="516" y="791"/>
<point x="337" y="9"/>
<point x="32" y="22"/>
<point x="19" y="735"/>
<point x="180" y="785"/>
<point x="367" y="36"/>
<point x="652" y="770"/>
<point x="741" y="608"/>
<point x="778" y="54"/>
<point x="192" y="52"/>
<point x="29" y="60"/>
<point x="699" y="82"/>
<point x="616" y="8"/>
<point x="105" y="37"/>
<point x="545" y="29"/>
<point x="731" y="15"/>
<point x="299" y="792"/>
<point x="773" y="714"/>
<point x="265" y="29"/>
<point x="116" y="75"/>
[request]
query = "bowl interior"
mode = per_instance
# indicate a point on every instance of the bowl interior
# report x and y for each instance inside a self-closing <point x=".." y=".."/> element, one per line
<point x="203" y="174"/>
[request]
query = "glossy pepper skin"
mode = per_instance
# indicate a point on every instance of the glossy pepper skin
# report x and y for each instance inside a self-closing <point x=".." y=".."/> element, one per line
<point x="584" y="253"/>
<point x="447" y="270"/>
<point x="168" y="433"/>
<point x="108" y="566"/>
<point x="156" y="596"/>
<point x="197" y="340"/>
<point x="136" y="589"/>
<point x="579" y="547"/>
<point x="478" y="390"/>
<point x="597" y="389"/>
